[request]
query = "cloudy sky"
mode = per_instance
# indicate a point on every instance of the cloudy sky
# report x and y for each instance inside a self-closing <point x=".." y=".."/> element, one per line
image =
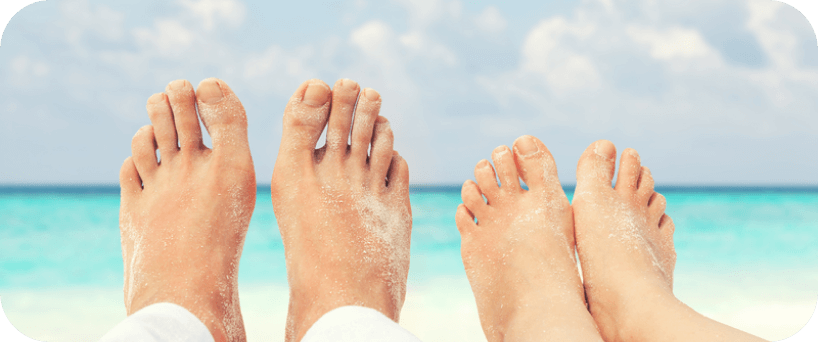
<point x="708" y="91"/>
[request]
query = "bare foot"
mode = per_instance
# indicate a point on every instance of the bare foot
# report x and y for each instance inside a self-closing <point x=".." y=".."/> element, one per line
<point x="625" y="245"/>
<point x="343" y="213"/>
<point x="183" y="220"/>
<point x="519" y="256"/>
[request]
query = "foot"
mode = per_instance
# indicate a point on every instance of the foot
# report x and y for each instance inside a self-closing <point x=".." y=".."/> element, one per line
<point x="625" y="245"/>
<point x="183" y="220"/>
<point x="519" y="255"/>
<point x="343" y="210"/>
<point x="624" y="238"/>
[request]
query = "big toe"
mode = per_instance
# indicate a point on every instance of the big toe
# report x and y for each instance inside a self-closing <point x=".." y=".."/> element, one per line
<point x="535" y="164"/>
<point x="223" y="115"/>
<point x="304" y="119"/>
<point x="596" y="165"/>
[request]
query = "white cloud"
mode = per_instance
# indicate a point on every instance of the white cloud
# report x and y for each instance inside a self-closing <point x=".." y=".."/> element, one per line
<point x="670" y="44"/>
<point x="547" y="51"/>
<point x="423" y="13"/>
<point x="490" y="20"/>
<point x="167" y="38"/>
<point x="25" y="67"/>
<point x="78" y="21"/>
<point x="375" y="39"/>
<point x="208" y="12"/>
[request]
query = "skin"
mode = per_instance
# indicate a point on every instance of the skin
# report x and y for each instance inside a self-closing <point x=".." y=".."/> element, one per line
<point x="519" y="255"/>
<point x="183" y="220"/>
<point x="625" y="245"/>
<point x="352" y="246"/>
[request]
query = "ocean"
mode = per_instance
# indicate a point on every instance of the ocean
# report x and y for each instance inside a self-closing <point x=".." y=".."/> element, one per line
<point x="747" y="257"/>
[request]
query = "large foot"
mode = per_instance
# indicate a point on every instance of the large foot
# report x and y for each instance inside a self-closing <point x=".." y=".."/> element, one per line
<point x="519" y="255"/>
<point x="183" y="220"/>
<point x="343" y="210"/>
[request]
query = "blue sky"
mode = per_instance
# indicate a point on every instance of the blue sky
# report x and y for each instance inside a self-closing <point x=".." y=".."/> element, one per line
<point x="708" y="91"/>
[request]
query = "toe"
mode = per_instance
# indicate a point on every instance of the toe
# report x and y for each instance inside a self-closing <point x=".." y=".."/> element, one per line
<point x="535" y="164"/>
<point x="381" y="151"/>
<point x="304" y="119"/>
<point x="667" y="227"/>
<point x="596" y="165"/>
<point x="487" y="180"/>
<point x="473" y="198"/>
<point x="223" y="117"/>
<point x="656" y="208"/>
<point x="645" y="186"/>
<point x="344" y="95"/>
<point x="143" y="149"/>
<point x="164" y="128"/>
<point x="464" y="219"/>
<point x="506" y="169"/>
<point x="129" y="182"/>
<point x="398" y="176"/>
<point x="366" y="112"/>
<point x="183" y="104"/>
<point x="630" y="168"/>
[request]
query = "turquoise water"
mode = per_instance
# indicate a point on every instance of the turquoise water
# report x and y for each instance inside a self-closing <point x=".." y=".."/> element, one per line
<point x="70" y="238"/>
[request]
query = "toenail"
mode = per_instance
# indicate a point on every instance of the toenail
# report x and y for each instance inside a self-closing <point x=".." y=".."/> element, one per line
<point x="177" y="85"/>
<point x="209" y="92"/>
<point x="526" y="146"/>
<point x="483" y="164"/>
<point x="316" y="94"/>
<point x="156" y="98"/>
<point x="500" y="149"/>
<point x="371" y="94"/>
<point x="348" y="83"/>
<point x="603" y="150"/>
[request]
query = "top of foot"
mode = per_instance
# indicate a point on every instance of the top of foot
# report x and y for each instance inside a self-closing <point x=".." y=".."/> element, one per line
<point x="519" y="255"/>
<point x="624" y="238"/>
<point x="183" y="219"/>
<point x="343" y="209"/>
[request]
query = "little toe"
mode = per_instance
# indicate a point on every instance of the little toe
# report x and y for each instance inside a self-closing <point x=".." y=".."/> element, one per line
<point x="535" y="164"/>
<point x="596" y="165"/>
<point x="344" y="95"/>
<point x="666" y="226"/>
<point x="164" y="127"/>
<point x="382" y="142"/>
<point x="224" y="117"/>
<point x="473" y="197"/>
<point x="143" y="149"/>
<point x="369" y="104"/>
<point x="506" y="169"/>
<point x="464" y="219"/>
<point x="304" y="119"/>
<point x="397" y="178"/>
<point x="630" y="168"/>
<point x="656" y="208"/>
<point x="645" y="187"/>
<point x="183" y="104"/>
<point x="129" y="182"/>
<point x="487" y="180"/>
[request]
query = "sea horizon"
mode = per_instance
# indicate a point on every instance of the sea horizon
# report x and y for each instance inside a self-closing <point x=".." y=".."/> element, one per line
<point x="113" y="188"/>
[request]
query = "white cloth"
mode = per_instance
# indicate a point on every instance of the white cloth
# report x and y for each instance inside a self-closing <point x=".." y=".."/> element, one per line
<point x="166" y="322"/>
<point x="357" y="324"/>
<point x="161" y="322"/>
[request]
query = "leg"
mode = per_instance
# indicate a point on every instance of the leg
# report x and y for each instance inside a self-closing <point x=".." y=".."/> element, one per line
<point x="519" y="255"/>
<point x="625" y="245"/>
<point x="183" y="220"/>
<point x="343" y="210"/>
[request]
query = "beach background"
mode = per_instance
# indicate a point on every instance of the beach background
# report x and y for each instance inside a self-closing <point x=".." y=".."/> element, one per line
<point x="718" y="97"/>
<point x="746" y="257"/>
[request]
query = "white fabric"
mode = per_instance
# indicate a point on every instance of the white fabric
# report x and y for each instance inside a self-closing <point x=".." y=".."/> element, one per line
<point x="162" y="322"/>
<point x="357" y="324"/>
